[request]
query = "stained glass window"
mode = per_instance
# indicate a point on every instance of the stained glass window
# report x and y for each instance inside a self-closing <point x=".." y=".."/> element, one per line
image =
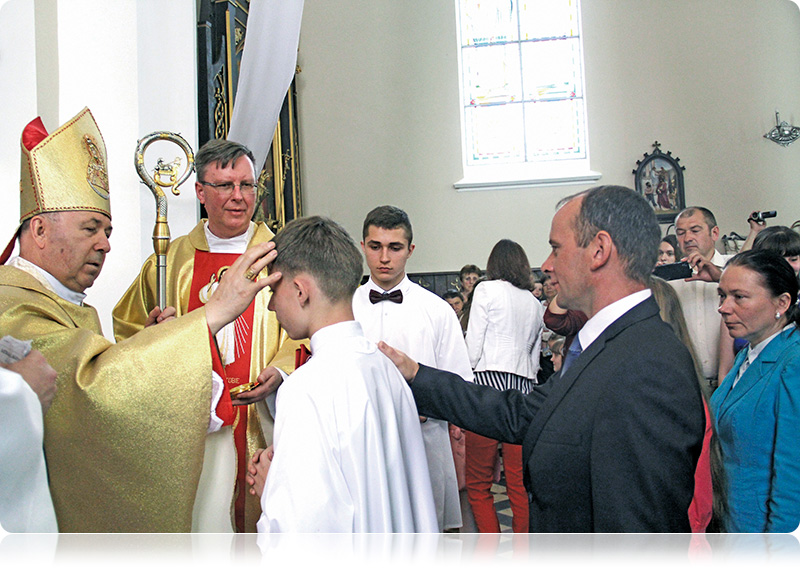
<point x="522" y="81"/>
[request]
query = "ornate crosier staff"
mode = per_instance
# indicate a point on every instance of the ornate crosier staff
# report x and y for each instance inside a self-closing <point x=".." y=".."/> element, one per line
<point x="165" y="175"/>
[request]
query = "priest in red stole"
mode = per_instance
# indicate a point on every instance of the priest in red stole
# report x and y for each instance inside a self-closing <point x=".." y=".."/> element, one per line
<point x="226" y="186"/>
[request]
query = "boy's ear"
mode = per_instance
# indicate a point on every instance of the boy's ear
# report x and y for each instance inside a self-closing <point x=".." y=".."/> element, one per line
<point x="302" y="287"/>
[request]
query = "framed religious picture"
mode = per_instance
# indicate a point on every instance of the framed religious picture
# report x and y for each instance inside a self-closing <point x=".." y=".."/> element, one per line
<point x="659" y="178"/>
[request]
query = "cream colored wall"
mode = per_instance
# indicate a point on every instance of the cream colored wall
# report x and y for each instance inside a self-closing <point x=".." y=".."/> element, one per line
<point x="379" y="119"/>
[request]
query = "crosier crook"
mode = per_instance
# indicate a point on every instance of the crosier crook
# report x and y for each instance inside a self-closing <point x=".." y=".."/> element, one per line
<point x="164" y="176"/>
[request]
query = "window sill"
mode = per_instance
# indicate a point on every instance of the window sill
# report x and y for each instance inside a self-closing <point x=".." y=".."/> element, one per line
<point x="470" y="184"/>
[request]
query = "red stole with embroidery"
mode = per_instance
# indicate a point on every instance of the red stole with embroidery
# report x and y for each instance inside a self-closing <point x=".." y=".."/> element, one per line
<point x="208" y="269"/>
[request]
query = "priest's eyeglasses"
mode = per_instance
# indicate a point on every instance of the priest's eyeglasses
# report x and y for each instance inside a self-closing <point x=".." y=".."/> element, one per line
<point x="226" y="188"/>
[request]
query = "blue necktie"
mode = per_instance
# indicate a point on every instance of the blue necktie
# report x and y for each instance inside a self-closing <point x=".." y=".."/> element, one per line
<point x="573" y="352"/>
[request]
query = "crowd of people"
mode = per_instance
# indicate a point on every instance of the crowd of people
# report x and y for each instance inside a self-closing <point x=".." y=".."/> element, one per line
<point x="275" y="393"/>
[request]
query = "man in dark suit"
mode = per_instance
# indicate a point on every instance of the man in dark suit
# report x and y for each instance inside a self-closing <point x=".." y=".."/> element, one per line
<point x="611" y="445"/>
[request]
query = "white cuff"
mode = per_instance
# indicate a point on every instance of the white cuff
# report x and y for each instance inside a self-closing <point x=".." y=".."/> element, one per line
<point x="217" y="386"/>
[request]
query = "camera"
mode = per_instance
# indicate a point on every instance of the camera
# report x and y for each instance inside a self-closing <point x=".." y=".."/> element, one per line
<point x="761" y="216"/>
<point x="672" y="271"/>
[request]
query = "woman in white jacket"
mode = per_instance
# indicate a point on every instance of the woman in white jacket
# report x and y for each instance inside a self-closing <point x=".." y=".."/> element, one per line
<point x="504" y="342"/>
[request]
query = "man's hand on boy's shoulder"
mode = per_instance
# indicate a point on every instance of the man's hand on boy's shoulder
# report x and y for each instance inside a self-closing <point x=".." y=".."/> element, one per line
<point x="269" y="381"/>
<point x="406" y="365"/>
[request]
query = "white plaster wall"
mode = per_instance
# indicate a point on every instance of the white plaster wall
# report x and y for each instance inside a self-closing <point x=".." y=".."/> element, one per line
<point x="17" y="102"/>
<point x="98" y="69"/>
<point x="167" y="92"/>
<point x="704" y="79"/>
<point x="379" y="119"/>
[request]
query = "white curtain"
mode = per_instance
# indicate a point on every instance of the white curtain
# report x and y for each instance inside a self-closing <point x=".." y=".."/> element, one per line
<point x="267" y="69"/>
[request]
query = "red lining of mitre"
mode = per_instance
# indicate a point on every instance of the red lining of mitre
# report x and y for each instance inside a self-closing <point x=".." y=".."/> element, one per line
<point x="33" y="133"/>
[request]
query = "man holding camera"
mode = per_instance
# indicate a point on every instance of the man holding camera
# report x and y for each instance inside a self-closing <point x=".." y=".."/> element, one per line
<point x="697" y="232"/>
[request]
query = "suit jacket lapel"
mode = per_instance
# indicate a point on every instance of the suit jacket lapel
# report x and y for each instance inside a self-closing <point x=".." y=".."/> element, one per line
<point x="761" y="368"/>
<point x="728" y="398"/>
<point x="561" y="386"/>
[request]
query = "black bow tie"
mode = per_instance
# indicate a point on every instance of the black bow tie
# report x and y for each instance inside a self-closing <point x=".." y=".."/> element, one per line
<point x="394" y="296"/>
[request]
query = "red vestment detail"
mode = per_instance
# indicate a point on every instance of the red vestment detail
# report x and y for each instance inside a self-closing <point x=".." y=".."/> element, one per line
<point x="208" y="269"/>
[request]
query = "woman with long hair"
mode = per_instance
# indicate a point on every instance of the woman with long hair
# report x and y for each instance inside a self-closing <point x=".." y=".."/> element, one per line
<point x="708" y="475"/>
<point x="504" y="343"/>
<point x="756" y="408"/>
<point x="669" y="251"/>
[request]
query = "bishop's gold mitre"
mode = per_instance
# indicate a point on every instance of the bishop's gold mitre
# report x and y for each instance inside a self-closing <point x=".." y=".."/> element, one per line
<point x="65" y="170"/>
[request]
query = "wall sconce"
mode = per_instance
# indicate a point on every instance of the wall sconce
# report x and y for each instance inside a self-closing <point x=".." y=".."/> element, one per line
<point x="784" y="134"/>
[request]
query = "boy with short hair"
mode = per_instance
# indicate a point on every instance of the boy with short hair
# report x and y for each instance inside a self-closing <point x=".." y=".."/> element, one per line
<point x="348" y="452"/>
<point x="392" y="309"/>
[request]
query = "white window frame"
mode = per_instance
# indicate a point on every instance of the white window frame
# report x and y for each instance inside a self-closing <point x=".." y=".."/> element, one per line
<point x="525" y="174"/>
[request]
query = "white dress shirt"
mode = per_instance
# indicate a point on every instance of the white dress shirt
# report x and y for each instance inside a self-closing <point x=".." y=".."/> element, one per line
<point x="423" y="326"/>
<point x="595" y="326"/>
<point x="700" y="301"/>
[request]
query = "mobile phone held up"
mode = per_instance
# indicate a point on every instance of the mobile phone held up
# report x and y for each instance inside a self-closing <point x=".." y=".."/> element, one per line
<point x="672" y="271"/>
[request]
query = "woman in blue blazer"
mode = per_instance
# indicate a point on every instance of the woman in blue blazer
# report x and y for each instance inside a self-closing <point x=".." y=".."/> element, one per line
<point x="757" y="406"/>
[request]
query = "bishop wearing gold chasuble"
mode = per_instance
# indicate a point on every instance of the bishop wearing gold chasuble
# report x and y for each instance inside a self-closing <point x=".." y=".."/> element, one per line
<point x="252" y="343"/>
<point x="125" y="435"/>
